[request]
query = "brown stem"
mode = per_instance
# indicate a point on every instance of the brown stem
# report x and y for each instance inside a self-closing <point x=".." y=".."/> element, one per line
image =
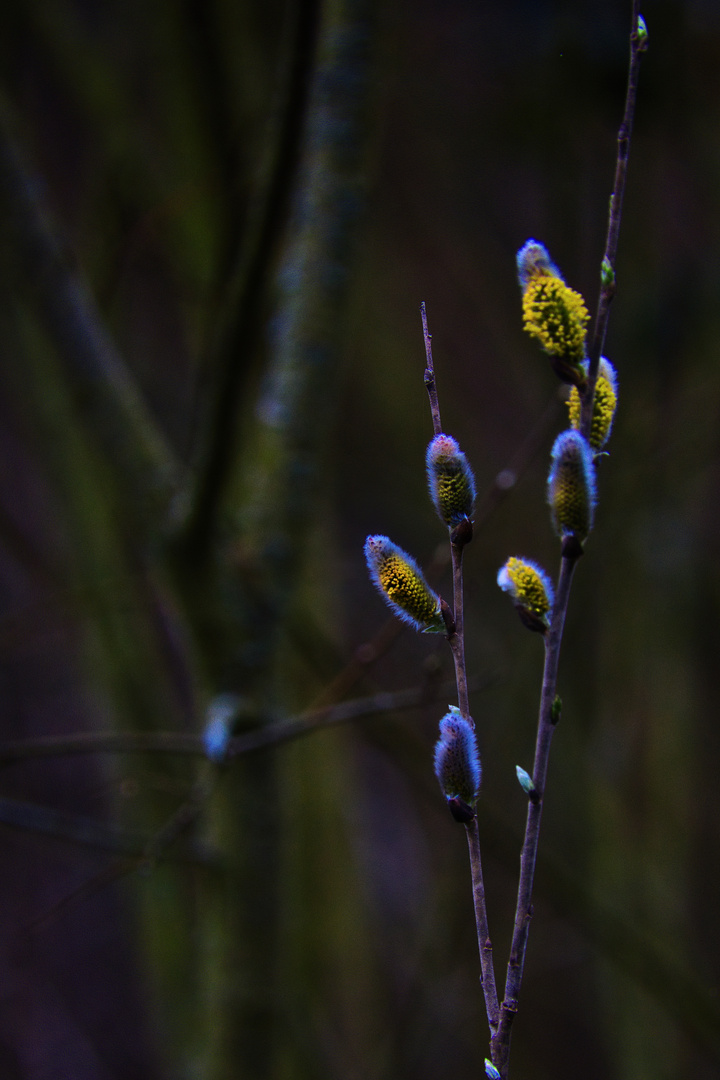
<point x="500" y="1046"/>
<point x="457" y="639"/>
<point x="484" y="944"/>
<point x="455" y="622"/>
<point x="430" y="373"/>
<point x="607" y="287"/>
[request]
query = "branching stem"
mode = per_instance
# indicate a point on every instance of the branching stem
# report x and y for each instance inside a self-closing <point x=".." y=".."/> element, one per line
<point x="500" y="1042"/>
<point x="459" y="537"/>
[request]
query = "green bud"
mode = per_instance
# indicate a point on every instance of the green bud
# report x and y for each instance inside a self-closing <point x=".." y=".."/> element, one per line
<point x="525" y="780"/>
<point x="642" y="34"/>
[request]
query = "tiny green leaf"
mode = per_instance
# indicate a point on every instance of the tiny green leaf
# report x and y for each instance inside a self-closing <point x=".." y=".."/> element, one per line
<point x="525" y="780"/>
<point x="642" y="33"/>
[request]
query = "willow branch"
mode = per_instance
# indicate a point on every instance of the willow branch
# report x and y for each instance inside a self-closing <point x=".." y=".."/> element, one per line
<point x="455" y="622"/>
<point x="638" y="45"/>
<point x="272" y="734"/>
<point x="457" y="638"/>
<point x="500" y="1044"/>
<point x="430" y="373"/>
<point x="528" y="857"/>
<point x="487" y="968"/>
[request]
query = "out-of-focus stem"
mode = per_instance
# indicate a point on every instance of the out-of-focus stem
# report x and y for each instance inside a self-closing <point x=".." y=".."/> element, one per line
<point x="102" y="385"/>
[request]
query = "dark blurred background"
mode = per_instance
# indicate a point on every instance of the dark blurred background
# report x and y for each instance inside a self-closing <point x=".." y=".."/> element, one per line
<point x="217" y="222"/>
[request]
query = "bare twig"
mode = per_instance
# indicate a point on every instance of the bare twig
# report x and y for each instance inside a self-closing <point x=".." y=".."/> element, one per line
<point x="484" y="943"/>
<point x="457" y="639"/>
<point x="271" y="734"/>
<point x="430" y="373"/>
<point x="546" y="725"/>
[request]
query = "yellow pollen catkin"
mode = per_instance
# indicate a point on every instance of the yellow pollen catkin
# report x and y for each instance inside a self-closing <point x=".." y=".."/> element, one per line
<point x="530" y="589"/>
<point x="556" y="316"/>
<point x="407" y="589"/>
<point x="604" y="406"/>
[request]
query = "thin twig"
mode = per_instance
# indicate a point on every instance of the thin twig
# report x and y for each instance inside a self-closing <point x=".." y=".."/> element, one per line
<point x="101" y="742"/>
<point x="484" y="943"/>
<point x="77" y="829"/>
<point x="457" y="639"/>
<point x="272" y="734"/>
<point x="342" y="713"/>
<point x="460" y="536"/>
<point x="546" y="726"/>
<point x="607" y="286"/>
<point x="430" y="373"/>
<point x="183" y="817"/>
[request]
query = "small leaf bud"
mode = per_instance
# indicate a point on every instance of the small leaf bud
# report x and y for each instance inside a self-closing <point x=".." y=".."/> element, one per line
<point x="490" y="1070"/>
<point x="222" y="714"/>
<point x="604" y="405"/>
<point x="526" y="783"/>
<point x="571" y="486"/>
<point x="556" y="709"/>
<point x="607" y="274"/>
<point x="457" y="761"/>
<point x="450" y="480"/>
<point x="400" y="582"/>
<point x="531" y="590"/>
<point x="642" y="34"/>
